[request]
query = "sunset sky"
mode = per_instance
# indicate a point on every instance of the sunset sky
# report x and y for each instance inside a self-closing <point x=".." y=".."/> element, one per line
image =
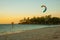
<point x="15" y="10"/>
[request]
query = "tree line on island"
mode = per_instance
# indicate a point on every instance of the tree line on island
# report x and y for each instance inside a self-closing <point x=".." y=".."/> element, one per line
<point x="41" y="20"/>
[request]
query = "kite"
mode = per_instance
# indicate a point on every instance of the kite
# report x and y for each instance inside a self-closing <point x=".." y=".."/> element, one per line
<point x="44" y="7"/>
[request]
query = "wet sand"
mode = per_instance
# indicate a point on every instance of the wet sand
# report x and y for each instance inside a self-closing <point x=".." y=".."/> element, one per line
<point x="51" y="33"/>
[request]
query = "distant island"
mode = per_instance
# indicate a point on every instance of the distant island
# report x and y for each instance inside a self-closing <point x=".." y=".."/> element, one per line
<point x="40" y="20"/>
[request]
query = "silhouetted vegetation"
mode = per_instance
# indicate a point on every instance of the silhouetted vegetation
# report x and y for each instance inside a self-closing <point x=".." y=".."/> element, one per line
<point x="41" y="20"/>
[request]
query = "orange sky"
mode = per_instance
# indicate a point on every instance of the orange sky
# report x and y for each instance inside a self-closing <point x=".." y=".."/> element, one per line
<point x="15" y="19"/>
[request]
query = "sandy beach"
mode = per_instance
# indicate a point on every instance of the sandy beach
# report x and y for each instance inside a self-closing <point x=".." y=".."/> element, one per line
<point x="51" y="33"/>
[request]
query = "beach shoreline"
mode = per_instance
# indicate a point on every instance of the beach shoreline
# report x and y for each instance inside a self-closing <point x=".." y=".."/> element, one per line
<point x="48" y="33"/>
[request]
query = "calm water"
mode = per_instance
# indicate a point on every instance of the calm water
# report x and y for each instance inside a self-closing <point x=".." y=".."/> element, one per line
<point x="19" y="27"/>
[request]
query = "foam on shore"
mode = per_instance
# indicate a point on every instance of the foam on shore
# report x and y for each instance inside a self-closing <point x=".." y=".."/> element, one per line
<point x="4" y="33"/>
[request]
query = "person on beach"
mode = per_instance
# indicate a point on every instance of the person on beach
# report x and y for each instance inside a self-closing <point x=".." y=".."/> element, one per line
<point x="12" y="24"/>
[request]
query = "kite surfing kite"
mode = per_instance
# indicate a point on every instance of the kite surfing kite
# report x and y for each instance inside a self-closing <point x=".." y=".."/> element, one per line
<point x="44" y="7"/>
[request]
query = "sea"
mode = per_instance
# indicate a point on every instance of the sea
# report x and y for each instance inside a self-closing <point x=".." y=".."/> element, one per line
<point x="6" y="28"/>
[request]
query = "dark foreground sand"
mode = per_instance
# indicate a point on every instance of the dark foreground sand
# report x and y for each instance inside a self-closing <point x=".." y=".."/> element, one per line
<point x="37" y="34"/>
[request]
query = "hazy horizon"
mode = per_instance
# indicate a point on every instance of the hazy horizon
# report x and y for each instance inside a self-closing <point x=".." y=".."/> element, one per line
<point x="14" y="10"/>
